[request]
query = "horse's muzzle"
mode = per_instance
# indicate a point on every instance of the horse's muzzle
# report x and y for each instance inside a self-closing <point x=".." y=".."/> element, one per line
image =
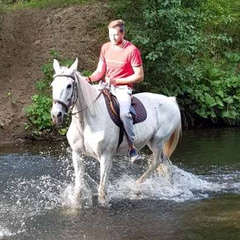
<point x="58" y="116"/>
<point x="58" y="119"/>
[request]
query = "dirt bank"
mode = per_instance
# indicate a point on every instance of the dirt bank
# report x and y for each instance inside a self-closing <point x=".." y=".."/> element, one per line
<point x="26" y="39"/>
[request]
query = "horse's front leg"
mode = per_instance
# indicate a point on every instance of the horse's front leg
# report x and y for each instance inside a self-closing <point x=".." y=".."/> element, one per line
<point x="79" y="170"/>
<point x="105" y="169"/>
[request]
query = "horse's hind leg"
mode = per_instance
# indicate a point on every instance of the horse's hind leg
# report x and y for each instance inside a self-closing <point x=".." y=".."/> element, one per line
<point x="153" y="164"/>
<point x="165" y="168"/>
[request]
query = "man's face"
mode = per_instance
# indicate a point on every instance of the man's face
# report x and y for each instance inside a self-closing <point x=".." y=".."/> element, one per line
<point x="115" y="36"/>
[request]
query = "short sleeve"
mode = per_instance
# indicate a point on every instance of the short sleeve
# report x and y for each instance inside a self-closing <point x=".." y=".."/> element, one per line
<point x="103" y="52"/>
<point x="136" y="59"/>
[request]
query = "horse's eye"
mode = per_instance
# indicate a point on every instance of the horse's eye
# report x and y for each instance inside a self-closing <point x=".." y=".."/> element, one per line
<point x="69" y="86"/>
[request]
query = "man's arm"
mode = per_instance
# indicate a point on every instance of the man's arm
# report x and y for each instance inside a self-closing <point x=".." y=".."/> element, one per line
<point x="99" y="73"/>
<point x="136" y="77"/>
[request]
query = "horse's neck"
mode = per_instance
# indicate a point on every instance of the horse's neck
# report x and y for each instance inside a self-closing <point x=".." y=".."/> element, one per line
<point x="86" y="97"/>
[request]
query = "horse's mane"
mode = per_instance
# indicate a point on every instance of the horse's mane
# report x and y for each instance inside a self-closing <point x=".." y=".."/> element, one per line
<point x="87" y="93"/>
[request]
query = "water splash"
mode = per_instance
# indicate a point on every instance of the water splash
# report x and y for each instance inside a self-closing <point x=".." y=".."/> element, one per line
<point x="186" y="186"/>
<point x="69" y="198"/>
<point x="29" y="186"/>
<point x="48" y="184"/>
<point x="4" y="232"/>
<point x="23" y="199"/>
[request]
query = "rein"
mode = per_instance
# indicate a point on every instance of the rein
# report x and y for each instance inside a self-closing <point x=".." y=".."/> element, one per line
<point x="77" y="111"/>
<point x="71" y="113"/>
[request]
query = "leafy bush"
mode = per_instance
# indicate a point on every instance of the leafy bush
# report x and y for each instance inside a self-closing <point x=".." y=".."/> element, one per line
<point x="220" y="97"/>
<point x="38" y="113"/>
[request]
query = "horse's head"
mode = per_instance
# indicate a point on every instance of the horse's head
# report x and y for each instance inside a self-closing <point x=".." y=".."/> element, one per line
<point x="63" y="90"/>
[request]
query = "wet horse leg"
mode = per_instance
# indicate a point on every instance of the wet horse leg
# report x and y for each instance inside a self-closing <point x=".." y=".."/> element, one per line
<point x="154" y="163"/>
<point x="79" y="170"/>
<point x="105" y="168"/>
<point x="165" y="168"/>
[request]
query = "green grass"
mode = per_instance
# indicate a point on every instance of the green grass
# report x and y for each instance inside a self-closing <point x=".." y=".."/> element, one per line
<point x="21" y="4"/>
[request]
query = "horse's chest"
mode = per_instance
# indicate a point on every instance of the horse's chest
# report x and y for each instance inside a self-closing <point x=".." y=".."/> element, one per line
<point x="93" y="137"/>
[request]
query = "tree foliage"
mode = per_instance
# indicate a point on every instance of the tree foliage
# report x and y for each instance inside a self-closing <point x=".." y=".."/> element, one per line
<point x="190" y="52"/>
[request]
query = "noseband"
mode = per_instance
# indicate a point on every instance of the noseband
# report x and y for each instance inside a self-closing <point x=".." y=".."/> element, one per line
<point x="74" y="87"/>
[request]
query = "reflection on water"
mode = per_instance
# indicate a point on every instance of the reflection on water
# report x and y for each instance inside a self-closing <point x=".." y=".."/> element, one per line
<point x="210" y="147"/>
<point x="36" y="186"/>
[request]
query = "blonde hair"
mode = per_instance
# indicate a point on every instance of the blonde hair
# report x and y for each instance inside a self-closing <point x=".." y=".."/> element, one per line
<point x="117" y="23"/>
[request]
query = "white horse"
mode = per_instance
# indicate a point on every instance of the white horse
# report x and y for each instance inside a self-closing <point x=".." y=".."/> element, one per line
<point x="93" y="133"/>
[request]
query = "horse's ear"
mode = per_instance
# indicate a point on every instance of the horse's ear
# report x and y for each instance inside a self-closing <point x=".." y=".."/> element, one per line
<point x="56" y="65"/>
<point x="74" y="66"/>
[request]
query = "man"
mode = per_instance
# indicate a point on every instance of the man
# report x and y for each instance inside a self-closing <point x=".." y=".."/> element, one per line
<point x="120" y="64"/>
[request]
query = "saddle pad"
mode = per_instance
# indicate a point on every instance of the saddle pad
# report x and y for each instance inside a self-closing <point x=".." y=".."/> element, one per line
<point x="140" y="113"/>
<point x="137" y="110"/>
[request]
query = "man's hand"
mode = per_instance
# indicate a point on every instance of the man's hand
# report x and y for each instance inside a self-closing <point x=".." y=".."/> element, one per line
<point x="88" y="79"/>
<point x="111" y="81"/>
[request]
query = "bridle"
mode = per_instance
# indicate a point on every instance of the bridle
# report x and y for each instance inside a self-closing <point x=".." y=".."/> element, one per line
<point x="74" y="96"/>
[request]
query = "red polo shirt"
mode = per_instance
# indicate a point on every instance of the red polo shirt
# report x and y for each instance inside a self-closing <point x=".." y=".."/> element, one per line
<point x="120" y="62"/>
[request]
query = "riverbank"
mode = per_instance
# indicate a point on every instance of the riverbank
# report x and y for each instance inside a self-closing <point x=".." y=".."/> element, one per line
<point x="27" y="38"/>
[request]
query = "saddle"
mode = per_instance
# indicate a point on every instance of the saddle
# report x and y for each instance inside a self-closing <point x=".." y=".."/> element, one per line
<point x="138" y="111"/>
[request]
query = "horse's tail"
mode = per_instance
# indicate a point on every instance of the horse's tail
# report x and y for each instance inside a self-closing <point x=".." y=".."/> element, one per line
<point x="172" y="142"/>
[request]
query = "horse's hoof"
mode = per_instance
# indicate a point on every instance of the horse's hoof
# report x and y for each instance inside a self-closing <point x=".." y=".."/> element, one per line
<point x="69" y="149"/>
<point x="102" y="202"/>
<point x="139" y="181"/>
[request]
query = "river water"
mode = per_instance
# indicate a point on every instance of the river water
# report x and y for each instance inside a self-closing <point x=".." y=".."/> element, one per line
<point x="36" y="186"/>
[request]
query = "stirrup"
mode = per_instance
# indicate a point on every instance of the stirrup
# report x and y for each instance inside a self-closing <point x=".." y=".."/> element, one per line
<point x="134" y="154"/>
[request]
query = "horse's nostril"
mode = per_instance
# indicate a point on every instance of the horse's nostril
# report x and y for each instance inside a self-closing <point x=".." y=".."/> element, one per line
<point x="59" y="114"/>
